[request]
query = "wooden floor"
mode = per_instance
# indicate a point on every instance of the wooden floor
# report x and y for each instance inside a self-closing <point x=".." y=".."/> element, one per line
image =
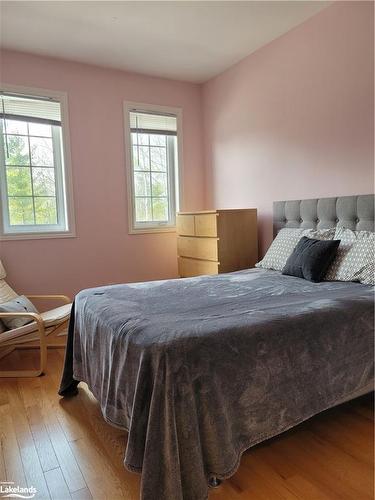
<point x="66" y="450"/>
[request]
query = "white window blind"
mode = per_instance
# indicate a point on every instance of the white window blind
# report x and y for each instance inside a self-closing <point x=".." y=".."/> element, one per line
<point x="24" y="108"/>
<point x="153" y="123"/>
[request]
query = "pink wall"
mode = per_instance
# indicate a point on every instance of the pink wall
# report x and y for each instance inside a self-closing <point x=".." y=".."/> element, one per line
<point x="292" y="120"/>
<point x="295" y="118"/>
<point x="102" y="252"/>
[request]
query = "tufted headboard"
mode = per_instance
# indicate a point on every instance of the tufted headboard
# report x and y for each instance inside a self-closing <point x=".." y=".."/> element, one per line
<point x="353" y="212"/>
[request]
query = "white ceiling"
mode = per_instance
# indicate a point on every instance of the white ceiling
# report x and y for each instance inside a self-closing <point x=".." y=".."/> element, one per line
<point x="184" y="40"/>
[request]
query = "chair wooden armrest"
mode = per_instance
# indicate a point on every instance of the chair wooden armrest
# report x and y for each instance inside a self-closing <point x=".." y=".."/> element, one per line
<point x="63" y="298"/>
<point x="35" y="316"/>
<point x="43" y="344"/>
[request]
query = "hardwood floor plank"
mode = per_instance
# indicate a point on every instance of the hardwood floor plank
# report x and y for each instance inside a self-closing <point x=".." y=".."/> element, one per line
<point x="29" y="389"/>
<point x="267" y="453"/>
<point x="30" y="459"/>
<point x="57" y="485"/>
<point x="314" y="467"/>
<point x="3" y="397"/>
<point x="82" y="495"/>
<point x="354" y="443"/>
<point x="264" y="474"/>
<point x="42" y="440"/>
<point x="354" y="474"/>
<point x="225" y="491"/>
<point x="68" y="464"/>
<point x="98" y="473"/>
<point x="306" y="490"/>
<point x="13" y="466"/>
<point x="30" y="393"/>
<point x="47" y="404"/>
<point x="3" y="473"/>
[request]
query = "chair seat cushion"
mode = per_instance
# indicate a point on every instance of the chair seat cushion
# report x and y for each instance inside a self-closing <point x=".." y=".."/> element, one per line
<point x="51" y="318"/>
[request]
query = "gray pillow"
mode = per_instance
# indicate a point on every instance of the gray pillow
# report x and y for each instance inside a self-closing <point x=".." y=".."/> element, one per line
<point x="355" y="257"/>
<point x="19" y="304"/>
<point x="286" y="241"/>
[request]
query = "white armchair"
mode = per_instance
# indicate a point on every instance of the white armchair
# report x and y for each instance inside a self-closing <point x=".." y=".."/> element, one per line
<point x="47" y="329"/>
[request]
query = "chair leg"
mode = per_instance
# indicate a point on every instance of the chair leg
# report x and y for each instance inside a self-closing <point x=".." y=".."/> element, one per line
<point x="43" y="356"/>
<point x="29" y="373"/>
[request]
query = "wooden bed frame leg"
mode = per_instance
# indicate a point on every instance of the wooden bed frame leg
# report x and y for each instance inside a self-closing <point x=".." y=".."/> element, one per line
<point x="214" y="482"/>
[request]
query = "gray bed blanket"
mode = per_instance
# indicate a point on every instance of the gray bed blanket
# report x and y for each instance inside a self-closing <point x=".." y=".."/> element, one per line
<point x="198" y="370"/>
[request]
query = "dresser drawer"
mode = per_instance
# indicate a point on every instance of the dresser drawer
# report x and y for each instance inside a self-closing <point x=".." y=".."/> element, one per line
<point x="198" y="248"/>
<point x="185" y="224"/>
<point x="206" y="225"/>
<point x="193" y="267"/>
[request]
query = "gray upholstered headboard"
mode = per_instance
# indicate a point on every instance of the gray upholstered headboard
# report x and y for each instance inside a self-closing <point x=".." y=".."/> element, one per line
<point x="353" y="212"/>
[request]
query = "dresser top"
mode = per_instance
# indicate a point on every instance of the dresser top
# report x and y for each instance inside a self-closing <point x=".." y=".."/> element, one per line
<point x="195" y="212"/>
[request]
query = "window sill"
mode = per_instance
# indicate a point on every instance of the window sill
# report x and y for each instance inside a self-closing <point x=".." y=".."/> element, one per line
<point x="169" y="229"/>
<point x="36" y="236"/>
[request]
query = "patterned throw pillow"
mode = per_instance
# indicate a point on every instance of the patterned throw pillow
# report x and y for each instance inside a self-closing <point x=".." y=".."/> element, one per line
<point x="286" y="241"/>
<point x="355" y="257"/>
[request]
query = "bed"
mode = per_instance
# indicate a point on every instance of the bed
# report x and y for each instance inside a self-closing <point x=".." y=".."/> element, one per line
<point x="198" y="370"/>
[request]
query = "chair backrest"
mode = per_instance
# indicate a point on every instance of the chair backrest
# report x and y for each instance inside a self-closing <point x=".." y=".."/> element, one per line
<point x="6" y="292"/>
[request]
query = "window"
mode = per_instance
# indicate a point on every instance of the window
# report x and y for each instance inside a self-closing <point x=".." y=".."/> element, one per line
<point x="152" y="136"/>
<point x="33" y="175"/>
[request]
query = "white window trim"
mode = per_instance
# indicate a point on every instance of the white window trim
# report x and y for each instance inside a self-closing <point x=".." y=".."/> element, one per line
<point x="130" y="106"/>
<point x="62" y="97"/>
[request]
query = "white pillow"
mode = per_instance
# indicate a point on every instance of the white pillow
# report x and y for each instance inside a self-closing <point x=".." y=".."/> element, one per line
<point x="18" y="304"/>
<point x="355" y="256"/>
<point x="285" y="242"/>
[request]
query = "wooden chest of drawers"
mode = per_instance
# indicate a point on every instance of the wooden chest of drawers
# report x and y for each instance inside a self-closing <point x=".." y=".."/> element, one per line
<point x="216" y="241"/>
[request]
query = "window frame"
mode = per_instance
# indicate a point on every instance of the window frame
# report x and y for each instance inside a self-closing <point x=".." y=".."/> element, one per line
<point x="33" y="232"/>
<point x="151" y="227"/>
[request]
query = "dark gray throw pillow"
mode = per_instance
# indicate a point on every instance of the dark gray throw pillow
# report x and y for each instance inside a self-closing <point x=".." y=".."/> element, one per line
<point x="311" y="258"/>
